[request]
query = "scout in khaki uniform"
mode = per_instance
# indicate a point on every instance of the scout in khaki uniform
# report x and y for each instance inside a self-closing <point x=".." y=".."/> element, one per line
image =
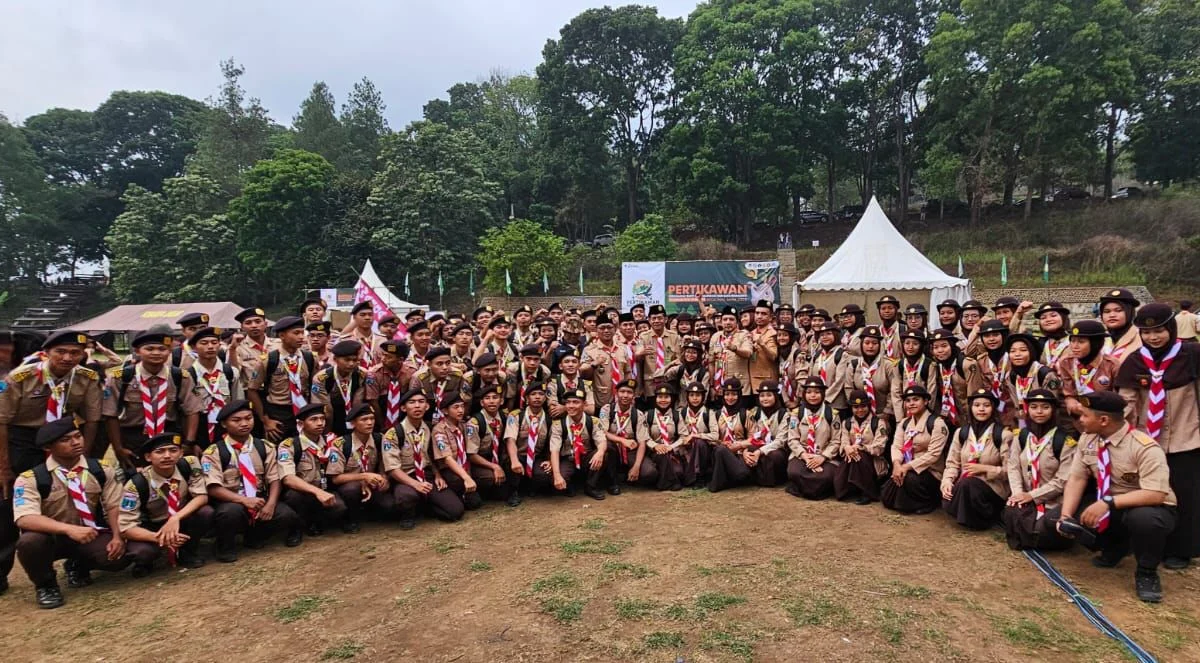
<point x="872" y="373"/>
<point x="1160" y="385"/>
<point x="852" y="319"/>
<point x="438" y="378"/>
<point x="359" y="329"/>
<point x="764" y="363"/>
<point x="248" y="349"/>
<point x="832" y="365"/>
<point x="283" y="384"/>
<point x="1188" y="322"/>
<point x="760" y="455"/>
<point x="485" y="376"/>
<point x="1039" y="463"/>
<point x="658" y="431"/>
<point x="972" y="313"/>
<point x="352" y="468"/>
<point x="949" y="315"/>
<point x="519" y="377"/>
<point x="813" y="444"/>
<point x="242" y="476"/>
<point x="731" y="420"/>
<point x="165" y="507"/>
<point x="527" y="441"/>
<point x="917" y="459"/>
<point x="864" y="438"/>
<point x="318" y="343"/>
<point x="302" y="469"/>
<point x="183" y="354"/>
<point x="1054" y="321"/>
<point x="605" y="362"/>
<point x="690" y="368"/>
<point x="148" y="398"/>
<point x="974" y="483"/>
<point x="890" y="327"/>
<point x="63" y="507"/>
<point x="1085" y="369"/>
<point x="568" y="379"/>
<point x="341" y="388"/>
<point x="698" y="434"/>
<point x="620" y="420"/>
<point x="1135" y="507"/>
<point x="793" y="364"/>
<point x="497" y="339"/>
<point x="387" y="381"/>
<point x="420" y="339"/>
<point x="216" y="383"/>
<point x="1006" y="314"/>
<point x="407" y="461"/>
<point x="387" y="326"/>
<point x="312" y="309"/>
<point x="656" y="349"/>
<point x="449" y="451"/>
<point x="916" y="318"/>
<point x="462" y="348"/>
<point x="917" y="367"/>
<point x="485" y="437"/>
<point x="578" y="448"/>
<point x="1026" y="373"/>
<point x="523" y="333"/>
<point x="949" y="400"/>
<point x="991" y="367"/>
<point x="729" y="352"/>
<point x="1116" y="313"/>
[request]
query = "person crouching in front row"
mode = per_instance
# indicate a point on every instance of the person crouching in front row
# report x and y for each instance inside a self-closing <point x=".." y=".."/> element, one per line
<point x="760" y="457"/>
<point x="974" y="484"/>
<point x="813" y="440"/>
<point x="578" y="448"/>
<point x="1039" y="463"/>
<point x="864" y="438"/>
<point x="917" y="461"/>
<point x="354" y="471"/>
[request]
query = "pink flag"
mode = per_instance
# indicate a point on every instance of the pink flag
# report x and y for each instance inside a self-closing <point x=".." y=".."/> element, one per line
<point x="365" y="293"/>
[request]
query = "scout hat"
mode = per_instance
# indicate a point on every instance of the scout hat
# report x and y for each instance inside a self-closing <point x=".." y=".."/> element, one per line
<point x="411" y="394"/>
<point x="813" y="382"/>
<point x="1088" y="328"/>
<point x="363" y="409"/>
<point x="993" y="327"/>
<point x="203" y="333"/>
<point x="1152" y="316"/>
<point x="887" y="299"/>
<point x="360" y="307"/>
<point x="574" y="394"/>
<point x="695" y="387"/>
<point x="417" y="326"/>
<point x="320" y="326"/>
<point x="974" y="305"/>
<point x="941" y="335"/>
<point x="437" y="351"/>
<point x="732" y="384"/>
<point x="806" y="309"/>
<point x="729" y="310"/>
<point x="827" y="327"/>
<point x="950" y="303"/>
<point x="192" y="319"/>
<point x="150" y="338"/>
<point x="287" y="322"/>
<point x="983" y="393"/>
<point x="247" y="313"/>
<point x="1006" y="302"/>
<point x="658" y="309"/>
<point x="628" y="383"/>
<point x="54" y="431"/>
<point x="693" y="344"/>
<point x="348" y="348"/>
<point x="916" y="309"/>
<point x="872" y="331"/>
<point x="1042" y="396"/>
<point x="65" y="337"/>
<point x="310" y="410"/>
<point x="916" y="391"/>
<point x="768" y="386"/>
<point x="1120" y="295"/>
<point x="233" y="408"/>
<point x="394" y="348"/>
<point x="536" y="385"/>
<point x="1108" y="402"/>
<point x="1035" y="348"/>
<point x="664" y="389"/>
<point x="762" y="303"/>
<point x="784" y="307"/>
<point x="859" y="397"/>
<point x="487" y="390"/>
<point x="916" y="335"/>
<point x="1055" y="307"/>
<point x="310" y="301"/>
<point x="486" y="359"/>
<point x="485" y="309"/>
<point x="851" y="309"/>
<point x="387" y="317"/>
<point x="161" y="440"/>
<point x="531" y="350"/>
<point x="497" y="320"/>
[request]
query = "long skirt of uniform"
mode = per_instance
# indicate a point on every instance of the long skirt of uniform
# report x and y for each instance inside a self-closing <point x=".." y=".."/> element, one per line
<point x="443" y="504"/>
<point x="730" y="470"/>
<point x="854" y="478"/>
<point x="472" y="500"/>
<point x="1184" y="542"/>
<point x="973" y="503"/>
<point x="194" y="526"/>
<point x="812" y="484"/>
<point x="1024" y="530"/>
<point x="485" y="479"/>
<point x="231" y="519"/>
<point x="700" y="459"/>
<point x="620" y="465"/>
<point x="312" y="512"/>
<point x="919" y="492"/>
<point x="37" y="552"/>
<point x="676" y="469"/>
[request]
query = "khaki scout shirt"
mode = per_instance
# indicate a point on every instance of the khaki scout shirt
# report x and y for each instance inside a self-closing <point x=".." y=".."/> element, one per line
<point x="560" y="384"/>
<point x="340" y="382"/>
<point x="517" y="427"/>
<point x="449" y="441"/>
<point x="1052" y="472"/>
<point x="402" y="454"/>
<point x="267" y="469"/>
<point x="210" y="382"/>
<point x="651" y="428"/>
<point x="278" y="386"/>
<point x="480" y="438"/>
<point x="133" y="415"/>
<point x="647" y="340"/>
<point x="1137" y="462"/>
<point x="25" y="392"/>
<point x="826" y="431"/>
<point x="600" y="359"/>
<point x="564" y="430"/>
<point x="252" y="358"/>
<point x="301" y="457"/>
<point x="983" y="451"/>
<point x="433" y="388"/>
<point x="58" y="505"/>
<point x="155" y="509"/>
<point x="620" y="422"/>
<point x="730" y="352"/>
<point x="872" y="439"/>
<point x="731" y="426"/>
<point x="926" y="447"/>
<point x="364" y="455"/>
<point x="697" y="424"/>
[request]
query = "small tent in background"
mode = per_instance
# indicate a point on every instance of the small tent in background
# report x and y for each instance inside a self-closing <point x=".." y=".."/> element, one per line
<point x="370" y="282"/>
<point x="876" y="260"/>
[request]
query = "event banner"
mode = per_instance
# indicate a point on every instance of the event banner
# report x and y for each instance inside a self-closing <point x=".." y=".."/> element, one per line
<point x="680" y="285"/>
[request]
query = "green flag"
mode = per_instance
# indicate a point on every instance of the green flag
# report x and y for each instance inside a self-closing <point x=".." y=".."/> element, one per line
<point x="545" y="282"/>
<point x="507" y="282"/>
<point x="960" y="267"/>
<point x="1046" y="269"/>
<point x="471" y="285"/>
<point x="441" y="284"/>
<point x="1003" y="270"/>
<point x="407" y="292"/>
<point x="581" y="279"/>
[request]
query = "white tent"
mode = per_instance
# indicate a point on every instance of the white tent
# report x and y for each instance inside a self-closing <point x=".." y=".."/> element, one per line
<point x="876" y="258"/>
<point x="371" y="280"/>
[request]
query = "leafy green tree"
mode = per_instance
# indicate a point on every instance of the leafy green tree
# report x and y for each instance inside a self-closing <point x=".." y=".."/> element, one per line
<point x="647" y="240"/>
<point x="141" y="253"/>
<point x="318" y="128"/>
<point x="28" y="228"/>
<point x="68" y="143"/>
<point x="527" y="250"/>
<point x="365" y="125"/>
<point x="146" y="137"/>
<point x="1166" y="136"/>
<point x="235" y="134"/>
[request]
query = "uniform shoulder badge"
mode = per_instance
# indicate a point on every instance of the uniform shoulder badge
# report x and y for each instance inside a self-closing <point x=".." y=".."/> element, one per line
<point x="1143" y="438"/>
<point x="22" y="372"/>
<point x="193" y="462"/>
<point x="286" y="444"/>
<point x="390" y="434"/>
<point x="87" y="373"/>
<point x="129" y="487"/>
<point x="210" y="450"/>
<point x="1070" y="441"/>
<point x="28" y="474"/>
<point x="115" y="372"/>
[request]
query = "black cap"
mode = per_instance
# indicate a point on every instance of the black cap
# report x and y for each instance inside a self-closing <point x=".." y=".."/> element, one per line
<point x="859" y="397"/>
<point x="693" y="344"/>
<point x="151" y="338"/>
<point x="916" y="391"/>
<point x="827" y="327"/>
<point x="791" y="330"/>
<point x="287" y="322"/>
<point x="658" y="309"/>
<point x="497" y="320"/>
<point x="887" y="299"/>
<point x="524" y="308"/>
<point x="54" y="431"/>
<point x="486" y="359"/>
<point x="387" y="317"/>
<point x="480" y="311"/>
<point x="626" y="317"/>
<point x="531" y="350"/>
<point x="557" y="307"/>
<point x="768" y="385"/>
<point x="203" y="333"/>
<point x="416" y="313"/>
<point x="729" y="310"/>
<point x="941" y="335"/>
<point x="310" y="410"/>
<point x="1055" y="307"/>
<point x="732" y="384"/>
<point x="233" y="408"/>
<point x="320" y="326"/>
<point x="436" y="317"/>
<point x="851" y="309"/>
<point x="983" y="393"/>
<point x="485" y="390"/>
<point x="362" y="306"/>
<point x="1088" y="329"/>
<point x="762" y="303"/>
<point x="549" y="322"/>
<point x="437" y="351"/>
<point x="66" y="337"/>
<point x="993" y="327"/>
<point x="916" y="309"/>
<point x="820" y="313"/>
<point x="577" y="394"/>
<point x="695" y="387"/>
<point x="395" y="348"/>
<point x="1007" y="302"/>
<point x="462" y="326"/>
<point x="916" y="335"/>
<point x="1120" y="295"/>
<point x="161" y="440"/>
<point x="664" y="389"/>
<point x="536" y="385"/>
<point x="1042" y="396"/>
<point x="1035" y="347"/>
<point x="813" y="382"/>
<point x="974" y="305"/>
<point x="627" y="383"/>
<point x="1108" y="402"/>
<point x="411" y="394"/>
<point x="347" y="348"/>
<point x="247" y="313"/>
<point x="785" y="307"/>
<point x="950" y="303"/>
<point x="684" y="316"/>
<point x="1152" y="316"/>
<point x="309" y="302"/>
<point x="360" y="410"/>
<point x="806" y="309"/>
<point x="192" y="319"/>
<point x="420" y="325"/>
<point x="872" y="331"/>
<point x="631" y="308"/>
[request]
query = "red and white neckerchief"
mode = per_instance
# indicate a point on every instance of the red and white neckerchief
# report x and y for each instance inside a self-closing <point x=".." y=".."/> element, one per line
<point x="1103" y="481"/>
<point x="577" y="448"/>
<point x="346" y="389"/>
<point x="534" y="425"/>
<point x="260" y="348"/>
<point x="418" y="360"/>
<point x="976" y="446"/>
<point x="889" y="343"/>
<point x="1024" y="385"/>
<point x="614" y="367"/>
<point x="622" y="420"/>
<point x="999" y="374"/>
<point x="811" y="420"/>
<point x="949" y="406"/>
<point x="692" y="419"/>
<point x="74" y="480"/>
<point x="392" y="412"/>
<point x="785" y="376"/>
<point x="364" y="456"/>
<point x="245" y="463"/>
<point x="1111" y="349"/>
<point x="416" y="440"/>
<point x="311" y="448"/>
<point x="664" y="432"/>
<point x="210" y="381"/>
<point x="1034" y="447"/>
<point x="496" y="424"/>
<point x="762" y="436"/>
<point x="719" y="364"/>
<point x="856" y="431"/>
<point x="367" y="351"/>
<point x="868" y="378"/>
<point x="171" y="496"/>
<point x="727" y="422"/>
<point x="823" y="364"/>
<point x="1083" y="376"/>
<point x="629" y="355"/>
<point x="906" y="448"/>
<point x="526" y="380"/>
<point x="291" y="365"/>
<point x="154" y="406"/>
<point x="56" y="402"/>
<point x="847" y="338"/>
<point x="660" y="353"/>
<point x="911" y="373"/>
<point x="439" y="390"/>
<point x="1156" y="399"/>
<point x="1054" y="350"/>
<point x="460" y="447"/>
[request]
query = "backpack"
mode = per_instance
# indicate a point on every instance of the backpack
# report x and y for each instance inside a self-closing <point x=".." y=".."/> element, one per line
<point x="348" y="446"/>
<point x="142" y="485"/>
<point x="177" y="355"/>
<point x="42" y="479"/>
<point x="127" y="375"/>
<point x="1056" y="443"/>
<point x="997" y="434"/>
<point x="273" y="365"/>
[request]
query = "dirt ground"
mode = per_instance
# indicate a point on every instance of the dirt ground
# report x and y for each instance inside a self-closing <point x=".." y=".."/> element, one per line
<point x="746" y="575"/>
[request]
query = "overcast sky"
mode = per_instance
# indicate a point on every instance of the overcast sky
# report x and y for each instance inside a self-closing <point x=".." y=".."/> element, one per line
<point x="55" y="53"/>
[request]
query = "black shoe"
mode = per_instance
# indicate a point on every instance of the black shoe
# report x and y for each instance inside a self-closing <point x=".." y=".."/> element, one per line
<point x="864" y="500"/>
<point x="351" y="527"/>
<point x="254" y="542"/>
<point x="570" y="490"/>
<point x="226" y="556"/>
<point x="513" y="499"/>
<point x="141" y="570"/>
<point x="472" y="501"/>
<point x="1102" y="562"/>
<point x="294" y="538"/>
<point x="190" y="560"/>
<point x="1149" y="588"/>
<point x="1176" y="563"/>
<point x="77" y="576"/>
<point x="614" y="490"/>
<point x="924" y="510"/>
<point x="315" y="530"/>
<point x="3" y="585"/>
<point x="49" y="597"/>
<point x="594" y="493"/>
<point x="407" y="523"/>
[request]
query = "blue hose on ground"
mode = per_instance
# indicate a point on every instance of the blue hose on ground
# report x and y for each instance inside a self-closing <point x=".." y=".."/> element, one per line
<point x="1089" y="609"/>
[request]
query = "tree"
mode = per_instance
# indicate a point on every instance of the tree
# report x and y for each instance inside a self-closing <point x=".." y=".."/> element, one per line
<point x="318" y="128"/>
<point x="615" y="66"/>
<point x="648" y="240"/>
<point x="1166" y="137"/>
<point x="28" y="228"/>
<point x="527" y="250"/>
<point x="68" y="144"/>
<point x="141" y="253"/>
<point x="146" y="137"/>
<point x="362" y="117"/>
<point x="235" y="133"/>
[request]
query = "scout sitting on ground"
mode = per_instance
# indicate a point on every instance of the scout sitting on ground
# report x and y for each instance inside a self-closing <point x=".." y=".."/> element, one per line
<point x="165" y="506"/>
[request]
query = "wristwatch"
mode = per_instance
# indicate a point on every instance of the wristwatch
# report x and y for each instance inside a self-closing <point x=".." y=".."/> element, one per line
<point x="1110" y="501"/>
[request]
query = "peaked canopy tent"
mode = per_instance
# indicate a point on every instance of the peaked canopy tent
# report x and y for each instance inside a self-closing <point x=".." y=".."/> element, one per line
<point x="370" y="281"/>
<point x="139" y="317"/>
<point x="876" y="260"/>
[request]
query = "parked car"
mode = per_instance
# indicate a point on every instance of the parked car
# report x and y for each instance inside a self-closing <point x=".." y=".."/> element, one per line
<point x="602" y="240"/>
<point x="812" y="216"/>
<point x="1071" y="193"/>
<point x="851" y="212"/>
<point x="1128" y="192"/>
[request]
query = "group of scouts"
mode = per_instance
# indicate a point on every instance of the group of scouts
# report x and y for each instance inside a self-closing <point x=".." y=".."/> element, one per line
<point x="1083" y="431"/>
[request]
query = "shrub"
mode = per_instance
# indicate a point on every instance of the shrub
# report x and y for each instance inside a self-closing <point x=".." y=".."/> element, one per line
<point x="647" y="240"/>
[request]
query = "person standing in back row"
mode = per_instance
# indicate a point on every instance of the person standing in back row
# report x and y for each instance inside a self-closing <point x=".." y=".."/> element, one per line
<point x="656" y="349"/>
<point x="1187" y="322"/>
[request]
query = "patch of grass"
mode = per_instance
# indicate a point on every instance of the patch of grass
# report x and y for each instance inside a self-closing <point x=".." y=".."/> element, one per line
<point x="593" y="524"/>
<point x="150" y="627"/>
<point x="638" y="571"/>
<point x="557" y="582"/>
<point x="634" y="608"/>
<point x="911" y="591"/>
<point x="676" y="611"/>
<point x="366" y="550"/>
<point x="719" y="570"/>
<point x="816" y="611"/>
<point x="594" y="547"/>
<point x="443" y="546"/>
<point x="663" y="640"/>
<point x="480" y="567"/>
<point x="563" y="610"/>
<point x="691" y="494"/>
<point x="1171" y="639"/>
<point x="346" y="649"/>
<point x="891" y="624"/>
<point x="300" y="608"/>
<point x="1024" y="632"/>
<point x="97" y="627"/>
<point x="716" y="601"/>
<point x="738" y="645"/>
